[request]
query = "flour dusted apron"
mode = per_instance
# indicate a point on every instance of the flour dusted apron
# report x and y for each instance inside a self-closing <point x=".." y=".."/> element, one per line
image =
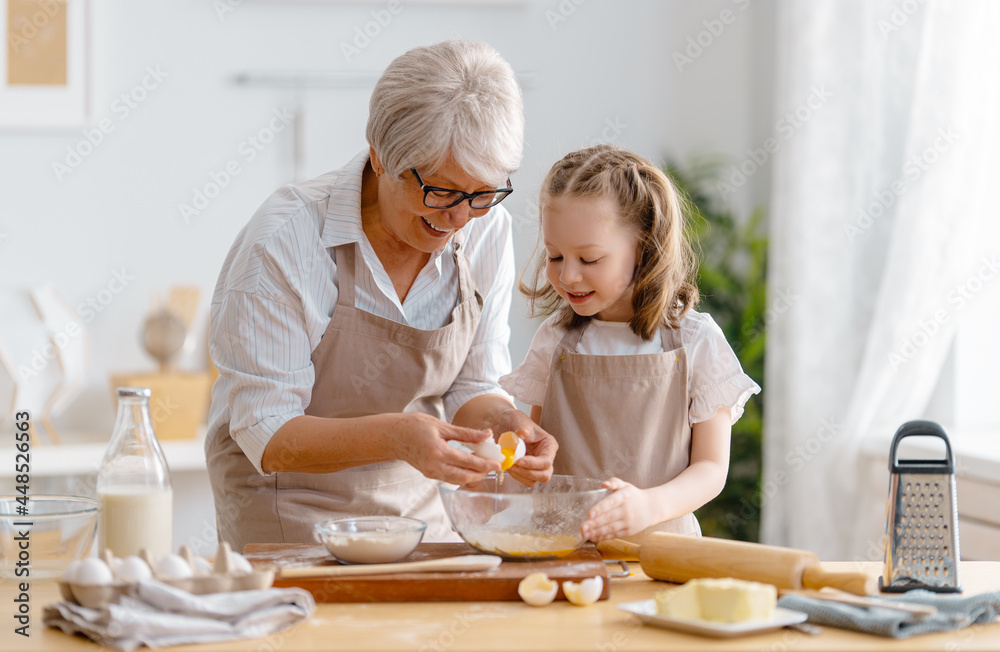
<point x="622" y="415"/>
<point x="364" y="364"/>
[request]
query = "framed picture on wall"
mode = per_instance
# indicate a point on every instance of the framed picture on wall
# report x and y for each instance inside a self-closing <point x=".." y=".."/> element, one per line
<point x="43" y="63"/>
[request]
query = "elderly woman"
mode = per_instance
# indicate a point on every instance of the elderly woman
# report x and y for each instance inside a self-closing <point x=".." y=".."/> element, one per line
<point x="359" y="312"/>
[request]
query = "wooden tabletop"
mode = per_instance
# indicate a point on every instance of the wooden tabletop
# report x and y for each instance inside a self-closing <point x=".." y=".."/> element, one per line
<point x="502" y="626"/>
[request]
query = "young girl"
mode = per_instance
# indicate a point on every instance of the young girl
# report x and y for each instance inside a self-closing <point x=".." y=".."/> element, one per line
<point x="633" y="383"/>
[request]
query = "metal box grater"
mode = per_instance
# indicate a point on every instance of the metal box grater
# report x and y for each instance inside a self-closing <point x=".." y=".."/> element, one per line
<point x="921" y="529"/>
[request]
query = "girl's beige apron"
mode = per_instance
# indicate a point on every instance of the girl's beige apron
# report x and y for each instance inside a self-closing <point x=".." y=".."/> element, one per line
<point x="623" y="416"/>
<point x="364" y="364"/>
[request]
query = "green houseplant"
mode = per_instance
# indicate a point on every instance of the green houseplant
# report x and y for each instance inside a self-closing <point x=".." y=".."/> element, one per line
<point x="732" y="275"/>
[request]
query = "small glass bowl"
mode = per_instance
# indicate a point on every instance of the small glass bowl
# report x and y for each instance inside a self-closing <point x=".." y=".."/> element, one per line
<point x="61" y="531"/>
<point x="370" y="539"/>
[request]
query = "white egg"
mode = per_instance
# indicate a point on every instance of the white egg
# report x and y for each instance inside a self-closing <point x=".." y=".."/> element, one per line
<point x="202" y="566"/>
<point x="93" y="572"/>
<point x="69" y="575"/>
<point x="172" y="567"/>
<point x="133" y="569"/>
<point x="487" y="448"/>
<point x="238" y="564"/>
<point x="461" y="445"/>
<point x="583" y="593"/>
<point x="537" y="589"/>
<point x="511" y="448"/>
<point x="490" y="450"/>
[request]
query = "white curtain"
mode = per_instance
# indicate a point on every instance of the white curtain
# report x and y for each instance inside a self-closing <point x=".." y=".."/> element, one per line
<point x="883" y="225"/>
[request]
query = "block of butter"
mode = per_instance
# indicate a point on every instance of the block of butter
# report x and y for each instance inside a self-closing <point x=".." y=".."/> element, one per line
<point x="724" y="600"/>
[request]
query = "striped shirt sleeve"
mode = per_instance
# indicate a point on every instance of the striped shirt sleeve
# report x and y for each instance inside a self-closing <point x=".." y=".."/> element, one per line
<point x="491" y="252"/>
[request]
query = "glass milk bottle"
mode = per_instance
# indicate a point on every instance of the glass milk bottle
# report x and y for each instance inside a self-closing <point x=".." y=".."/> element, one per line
<point x="133" y="484"/>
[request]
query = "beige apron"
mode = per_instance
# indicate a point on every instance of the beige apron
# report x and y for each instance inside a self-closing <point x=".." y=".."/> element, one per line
<point x="364" y="364"/>
<point x="622" y="416"/>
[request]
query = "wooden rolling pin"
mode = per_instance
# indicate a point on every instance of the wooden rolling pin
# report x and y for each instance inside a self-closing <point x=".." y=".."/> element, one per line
<point x="679" y="558"/>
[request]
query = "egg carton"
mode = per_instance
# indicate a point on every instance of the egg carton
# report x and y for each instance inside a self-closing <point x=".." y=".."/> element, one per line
<point x="229" y="573"/>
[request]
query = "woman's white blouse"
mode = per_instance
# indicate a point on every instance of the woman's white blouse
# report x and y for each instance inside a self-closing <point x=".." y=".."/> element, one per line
<point x="277" y="292"/>
<point x="714" y="376"/>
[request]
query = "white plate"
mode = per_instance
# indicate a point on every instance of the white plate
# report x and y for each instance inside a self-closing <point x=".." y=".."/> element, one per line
<point x="646" y="610"/>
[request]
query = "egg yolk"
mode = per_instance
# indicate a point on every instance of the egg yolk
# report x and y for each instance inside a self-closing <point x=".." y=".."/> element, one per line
<point x="508" y="458"/>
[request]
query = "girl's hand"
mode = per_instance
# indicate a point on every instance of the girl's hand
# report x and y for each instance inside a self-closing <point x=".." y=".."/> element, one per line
<point x="624" y="513"/>
<point x="422" y="441"/>
<point x="539" y="447"/>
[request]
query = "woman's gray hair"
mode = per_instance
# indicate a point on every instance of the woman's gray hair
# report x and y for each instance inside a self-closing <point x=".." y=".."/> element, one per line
<point x="457" y="99"/>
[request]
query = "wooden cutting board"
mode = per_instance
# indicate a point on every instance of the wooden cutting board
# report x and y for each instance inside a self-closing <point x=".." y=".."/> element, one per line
<point x="498" y="584"/>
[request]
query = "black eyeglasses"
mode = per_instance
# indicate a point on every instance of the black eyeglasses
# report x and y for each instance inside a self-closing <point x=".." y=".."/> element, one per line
<point x="446" y="197"/>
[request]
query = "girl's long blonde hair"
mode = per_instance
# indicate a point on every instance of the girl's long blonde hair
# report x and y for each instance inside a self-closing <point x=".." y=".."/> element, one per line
<point x="663" y="288"/>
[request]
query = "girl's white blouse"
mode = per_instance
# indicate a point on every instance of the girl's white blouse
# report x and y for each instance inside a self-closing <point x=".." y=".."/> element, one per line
<point x="714" y="376"/>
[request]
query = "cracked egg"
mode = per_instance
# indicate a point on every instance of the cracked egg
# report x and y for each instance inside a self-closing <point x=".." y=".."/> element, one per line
<point x="537" y="589"/>
<point x="584" y="592"/>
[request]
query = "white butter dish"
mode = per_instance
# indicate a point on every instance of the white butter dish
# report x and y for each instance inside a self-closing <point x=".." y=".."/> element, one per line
<point x="646" y="611"/>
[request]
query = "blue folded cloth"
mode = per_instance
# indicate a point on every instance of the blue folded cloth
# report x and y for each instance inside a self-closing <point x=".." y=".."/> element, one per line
<point x="953" y="612"/>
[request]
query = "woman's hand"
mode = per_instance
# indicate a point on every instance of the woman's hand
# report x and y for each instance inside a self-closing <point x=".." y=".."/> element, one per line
<point x="624" y="513"/>
<point x="499" y="415"/>
<point x="539" y="447"/>
<point x="422" y="441"/>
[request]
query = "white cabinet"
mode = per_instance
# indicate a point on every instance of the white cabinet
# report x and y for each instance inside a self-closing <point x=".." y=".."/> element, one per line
<point x="979" y="519"/>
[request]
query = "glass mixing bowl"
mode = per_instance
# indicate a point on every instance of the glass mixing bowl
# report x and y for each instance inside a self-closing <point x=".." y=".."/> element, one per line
<point x="519" y="522"/>
<point x="62" y="530"/>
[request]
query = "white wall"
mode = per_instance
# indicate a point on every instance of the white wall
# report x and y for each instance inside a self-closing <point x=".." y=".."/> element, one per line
<point x="594" y="69"/>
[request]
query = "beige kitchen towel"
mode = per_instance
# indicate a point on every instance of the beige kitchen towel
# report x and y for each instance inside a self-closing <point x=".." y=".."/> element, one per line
<point x="157" y="615"/>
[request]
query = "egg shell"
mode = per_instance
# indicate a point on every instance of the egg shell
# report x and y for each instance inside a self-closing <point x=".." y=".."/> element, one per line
<point x="489" y="450"/>
<point x="509" y="440"/>
<point x="585" y="592"/>
<point x="172" y="567"/>
<point x="69" y="575"/>
<point x="203" y="567"/>
<point x="93" y="572"/>
<point x="132" y="569"/>
<point x="465" y="447"/>
<point x="239" y="565"/>
<point x="537" y="589"/>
